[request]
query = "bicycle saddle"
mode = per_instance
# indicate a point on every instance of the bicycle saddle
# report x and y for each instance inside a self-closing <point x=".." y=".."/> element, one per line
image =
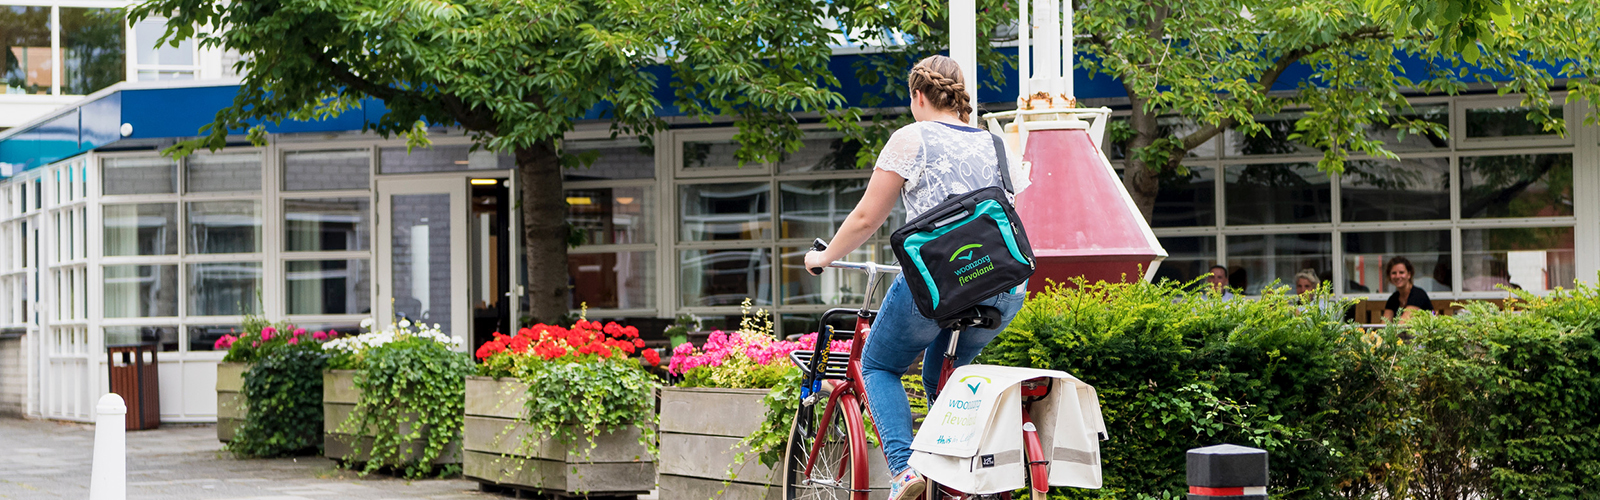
<point x="981" y="317"/>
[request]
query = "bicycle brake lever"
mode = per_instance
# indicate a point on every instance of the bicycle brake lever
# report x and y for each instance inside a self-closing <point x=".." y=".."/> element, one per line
<point x="819" y="246"/>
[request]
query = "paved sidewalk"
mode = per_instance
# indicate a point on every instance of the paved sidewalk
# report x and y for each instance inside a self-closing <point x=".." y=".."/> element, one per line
<point x="42" y="459"/>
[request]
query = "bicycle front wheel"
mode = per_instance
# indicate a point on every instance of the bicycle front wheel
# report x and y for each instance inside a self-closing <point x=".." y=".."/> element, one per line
<point x="824" y="446"/>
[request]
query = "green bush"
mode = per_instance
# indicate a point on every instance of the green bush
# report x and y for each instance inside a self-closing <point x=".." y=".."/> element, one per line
<point x="284" y="388"/>
<point x="415" y="384"/>
<point x="1483" y="404"/>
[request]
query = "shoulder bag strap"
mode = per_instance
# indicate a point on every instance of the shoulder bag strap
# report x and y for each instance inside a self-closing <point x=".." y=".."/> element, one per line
<point x="1005" y="170"/>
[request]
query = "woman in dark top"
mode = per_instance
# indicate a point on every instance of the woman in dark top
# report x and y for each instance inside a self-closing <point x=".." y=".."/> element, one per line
<point x="1406" y="298"/>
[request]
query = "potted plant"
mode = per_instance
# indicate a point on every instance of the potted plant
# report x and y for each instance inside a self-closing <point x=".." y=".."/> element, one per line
<point x="393" y="399"/>
<point x="564" y="411"/>
<point x="269" y="388"/>
<point x="734" y="402"/>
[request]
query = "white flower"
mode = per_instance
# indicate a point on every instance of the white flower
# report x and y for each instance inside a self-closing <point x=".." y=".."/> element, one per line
<point x="405" y="323"/>
<point x="366" y="324"/>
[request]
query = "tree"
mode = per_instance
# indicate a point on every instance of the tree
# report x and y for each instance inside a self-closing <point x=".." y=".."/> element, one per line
<point x="1218" y="64"/>
<point x="515" y="75"/>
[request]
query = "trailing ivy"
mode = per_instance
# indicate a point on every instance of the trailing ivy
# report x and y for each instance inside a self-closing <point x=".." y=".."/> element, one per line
<point x="581" y="401"/>
<point x="411" y="389"/>
<point x="284" y="390"/>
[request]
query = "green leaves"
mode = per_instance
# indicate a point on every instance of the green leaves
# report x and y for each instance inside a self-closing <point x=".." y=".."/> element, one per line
<point x="284" y="393"/>
<point x="411" y="390"/>
<point x="579" y="401"/>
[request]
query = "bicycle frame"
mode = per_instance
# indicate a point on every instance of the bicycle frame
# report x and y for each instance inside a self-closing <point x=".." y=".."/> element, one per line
<point x="851" y="396"/>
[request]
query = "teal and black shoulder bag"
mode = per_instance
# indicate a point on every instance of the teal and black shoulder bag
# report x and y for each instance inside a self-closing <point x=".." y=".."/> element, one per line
<point x="966" y="249"/>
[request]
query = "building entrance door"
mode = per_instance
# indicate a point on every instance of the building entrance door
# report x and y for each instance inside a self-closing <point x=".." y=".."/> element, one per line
<point x="422" y="248"/>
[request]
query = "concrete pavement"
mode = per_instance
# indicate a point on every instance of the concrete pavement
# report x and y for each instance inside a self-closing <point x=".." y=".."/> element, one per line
<point x="41" y="459"/>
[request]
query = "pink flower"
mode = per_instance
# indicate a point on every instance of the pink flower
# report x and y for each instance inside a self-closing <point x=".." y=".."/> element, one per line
<point x="225" y="342"/>
<point x="332" y="334"/>
<point x="266" y="333"/>
<point x="319" y="336"/>
<point x="299" y="331"/>
<point x="294" y="340"/>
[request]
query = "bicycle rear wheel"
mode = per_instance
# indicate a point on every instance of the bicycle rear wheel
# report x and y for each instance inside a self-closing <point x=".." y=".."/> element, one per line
<point x="831" y="476"/>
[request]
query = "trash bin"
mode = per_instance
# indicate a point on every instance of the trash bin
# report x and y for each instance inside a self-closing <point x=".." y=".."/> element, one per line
<point x="133" y="376"/>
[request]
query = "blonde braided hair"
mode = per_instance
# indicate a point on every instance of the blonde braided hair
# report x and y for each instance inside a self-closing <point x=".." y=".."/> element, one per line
<point x="940" y="81"/>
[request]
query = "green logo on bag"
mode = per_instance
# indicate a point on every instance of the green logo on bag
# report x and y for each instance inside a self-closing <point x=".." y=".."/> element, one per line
<point x="968" y="256"/>
<point x="974" y="386"/>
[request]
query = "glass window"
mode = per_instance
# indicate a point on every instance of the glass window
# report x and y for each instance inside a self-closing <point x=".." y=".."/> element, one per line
<point x="617" y="215"/>
<point x="798" y="286"/>
<point x="725" y="211"/>
<point x="1382" y="190"/>
<point x="1528" y="258"/>
<point x="614" y="159"/>
<point x="205" y="173"/>
<point x="624" y="280"/>
<point x="141" y="229"/>
<point x="1119" y="132"/>
<point x="1365" y="254"/>
<point x="146" y="32"/>
<point x="1186" y="198"/>
<point x="140" y="175"/>
<point x="813" y="209"/>
<point x="93" y="55"/>
<point x="1274" y="140"/>
<point x="439" y="159"/>
<point x="137" y="291"/>
<point x="1188" y="258"/>
<point x="1396" y="139"/>
<point x="725" y="277"/>
<point x="224" y="227"/>
<point x="821" y="154"/>
<point x="328" y="287"/>
<point x="1506" y="121"/>
<point x="204" y="337"/>
<point x="325" y="224"/>
<point x="1278" y="193"/>
<point x="1256" y="261"/>
<point x="710" y="154"/>
<point x="326" y="170"/>
<point x="25" y="49"/>
<point x="164" y="336"/>
<point x="224" y="288"/>
<point x="1516" y="186"/>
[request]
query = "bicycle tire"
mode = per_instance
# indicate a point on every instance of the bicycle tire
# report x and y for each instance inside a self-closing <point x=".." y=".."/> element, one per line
<point x="831" y="477"/>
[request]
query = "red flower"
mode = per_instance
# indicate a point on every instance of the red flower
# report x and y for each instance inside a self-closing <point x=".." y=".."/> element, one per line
<point x="651" y="357"/>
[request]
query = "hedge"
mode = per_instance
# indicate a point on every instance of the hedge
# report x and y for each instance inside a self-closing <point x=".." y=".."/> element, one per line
<point x="1482" y="404"/>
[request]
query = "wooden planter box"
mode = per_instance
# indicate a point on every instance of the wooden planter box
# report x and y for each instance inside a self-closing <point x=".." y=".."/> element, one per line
<point x="339" y="398"/>
<point x="231" y="405"/>
<point x="700" y="432"/>
<point x="501" y="451"/>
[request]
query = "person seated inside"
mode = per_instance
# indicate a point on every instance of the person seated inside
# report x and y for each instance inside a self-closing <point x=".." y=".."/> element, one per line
<point x="1217" y="277"/>
<point x="1306" y="282"/>
<point x="1407" y="298"/>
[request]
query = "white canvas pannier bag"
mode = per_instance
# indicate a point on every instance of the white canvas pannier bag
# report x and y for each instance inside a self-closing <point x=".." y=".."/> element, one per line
<point x="972" y="438"/>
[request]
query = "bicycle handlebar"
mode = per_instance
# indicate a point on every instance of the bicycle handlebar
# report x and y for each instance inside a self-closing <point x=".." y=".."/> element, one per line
<point x="867" y="267"/>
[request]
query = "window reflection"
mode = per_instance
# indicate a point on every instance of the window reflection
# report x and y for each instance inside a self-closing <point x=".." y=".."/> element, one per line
<point x="204" y="338"/>
<point x="1536" y="259"/>
<point x="798" y="286"/>
<point x="725" y="277"/>
<point x="25" y="49"/>
<point x="1278" y="193"/>
<point x="1186" y="198"/>
<point x="222" y="172"/>
<point x="1256" y="261"/>
<point x="93" y="55"/>
<point x="1382" y="190"/>
<point x="326" y="170"/>
<point x="612" y="215"/>
<point x="1272" y="140"/>
<point x="141" y="291"/>
<point x="325" y="224"/>
<point x="1507" y="121"/>
<point x="401" y="160"/>
<point x="224" y="288"/>
<point x="1188" y="258"/>
<point x="812" y="209"/>
<point x="725" y="211"/>
<point x="1396" y="138"/>
<point x="224" y="227"/>
<point x="613" y="159"/>
<point x="327" y="287"/>
<point x="1365" y="255"/>
<point x="1516" y="186"/>
<point x="712" y="154"/>
<point x="623" y="280"/>
<point x="139" y="175"/>
<point x="141" y="229"/>
<point x="821" y="154"/>
<point x="166" y="337"/>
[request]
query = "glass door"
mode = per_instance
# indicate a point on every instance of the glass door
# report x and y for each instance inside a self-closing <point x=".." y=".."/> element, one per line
<point x="422" y="245"/>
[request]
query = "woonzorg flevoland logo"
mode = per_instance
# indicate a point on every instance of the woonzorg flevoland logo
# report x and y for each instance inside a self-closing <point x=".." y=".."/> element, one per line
<point x="975" y="266"/>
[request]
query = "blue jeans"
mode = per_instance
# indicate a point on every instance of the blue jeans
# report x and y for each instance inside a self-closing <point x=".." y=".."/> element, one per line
<point x="899" y="335"/>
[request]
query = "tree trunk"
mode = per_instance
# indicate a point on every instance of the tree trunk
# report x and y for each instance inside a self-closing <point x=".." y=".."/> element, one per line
<point x="544" y="231"/>
<point x="1142" y="180"/>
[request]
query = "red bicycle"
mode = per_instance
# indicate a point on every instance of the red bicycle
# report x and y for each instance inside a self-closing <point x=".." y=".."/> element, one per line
<point x="826" y="456"/>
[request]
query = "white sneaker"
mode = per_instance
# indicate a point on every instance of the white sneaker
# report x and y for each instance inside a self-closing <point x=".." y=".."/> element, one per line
<point x="907" y="485"/>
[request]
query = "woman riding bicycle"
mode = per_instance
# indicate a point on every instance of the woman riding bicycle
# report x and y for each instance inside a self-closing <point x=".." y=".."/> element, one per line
<point x="937" y="156"/>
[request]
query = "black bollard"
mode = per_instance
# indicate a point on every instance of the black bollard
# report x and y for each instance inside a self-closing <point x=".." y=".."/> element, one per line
<point x="1228" y="472"/>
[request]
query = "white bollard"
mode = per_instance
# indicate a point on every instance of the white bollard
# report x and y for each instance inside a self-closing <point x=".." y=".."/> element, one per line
<point x="108" y="478"/>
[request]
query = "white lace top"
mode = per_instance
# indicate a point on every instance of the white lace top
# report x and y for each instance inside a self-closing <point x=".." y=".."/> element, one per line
<point x="939" y="159"/>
